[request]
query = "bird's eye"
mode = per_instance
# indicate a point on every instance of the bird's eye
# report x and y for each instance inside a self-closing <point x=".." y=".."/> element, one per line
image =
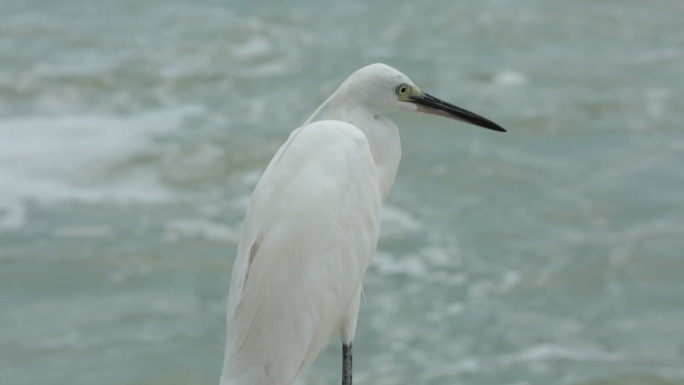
<point x="402" y="89"/>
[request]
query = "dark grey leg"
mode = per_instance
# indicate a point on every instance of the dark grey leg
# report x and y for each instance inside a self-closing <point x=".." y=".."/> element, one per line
<point x="346" y="364"/>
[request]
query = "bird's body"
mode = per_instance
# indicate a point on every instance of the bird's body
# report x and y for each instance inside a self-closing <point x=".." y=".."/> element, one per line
<point x="294" y="297"/>
<point x="310" y="232"/>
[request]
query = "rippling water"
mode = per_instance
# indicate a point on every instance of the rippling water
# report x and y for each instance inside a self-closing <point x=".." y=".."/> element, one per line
<point x="132" y="133"/>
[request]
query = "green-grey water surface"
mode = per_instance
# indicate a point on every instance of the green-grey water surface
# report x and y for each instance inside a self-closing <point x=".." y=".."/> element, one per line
<point x="132" y="134"/>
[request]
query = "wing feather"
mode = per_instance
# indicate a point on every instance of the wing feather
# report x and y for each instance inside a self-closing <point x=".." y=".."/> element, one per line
<point x="309" y="234"/>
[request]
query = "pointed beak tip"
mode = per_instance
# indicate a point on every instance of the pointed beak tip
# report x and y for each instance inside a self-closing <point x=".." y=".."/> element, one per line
<point x="432" y="105"/>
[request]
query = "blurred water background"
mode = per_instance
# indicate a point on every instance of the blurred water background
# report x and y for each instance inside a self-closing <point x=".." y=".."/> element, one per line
<point x="132" y="133"/>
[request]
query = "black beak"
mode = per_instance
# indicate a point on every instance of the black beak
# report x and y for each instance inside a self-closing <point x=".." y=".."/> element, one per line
<point x="431" y="105"/>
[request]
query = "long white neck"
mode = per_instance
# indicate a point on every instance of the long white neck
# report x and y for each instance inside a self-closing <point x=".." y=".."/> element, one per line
<point x="382" y="133"/>
<point x="383" y="139"/>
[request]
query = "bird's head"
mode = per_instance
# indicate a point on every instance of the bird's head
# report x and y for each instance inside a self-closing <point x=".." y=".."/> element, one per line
<point x="384" y="88"/>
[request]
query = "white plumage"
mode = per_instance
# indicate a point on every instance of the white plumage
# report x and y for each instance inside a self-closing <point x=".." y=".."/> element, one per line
<point x="312" y="227"/>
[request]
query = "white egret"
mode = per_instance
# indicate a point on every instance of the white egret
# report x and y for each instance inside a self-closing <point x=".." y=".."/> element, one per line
<point x="312" y="227"/>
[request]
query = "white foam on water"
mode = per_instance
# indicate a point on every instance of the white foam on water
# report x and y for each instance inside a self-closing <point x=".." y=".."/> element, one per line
<point x="545" y="352"/>
<point x="509" y="78"/>
<point x="82" y="231"/>
<point x="389" y="264"/>
<point x="508" y="282"/>
<point x="199" y="228"/>
<point x="13" y="217"/>
<point x="56" y="159"/>
<point x="254" y="47"/>
<point x="656" y="101"/>
<point x="396" y="221"/>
